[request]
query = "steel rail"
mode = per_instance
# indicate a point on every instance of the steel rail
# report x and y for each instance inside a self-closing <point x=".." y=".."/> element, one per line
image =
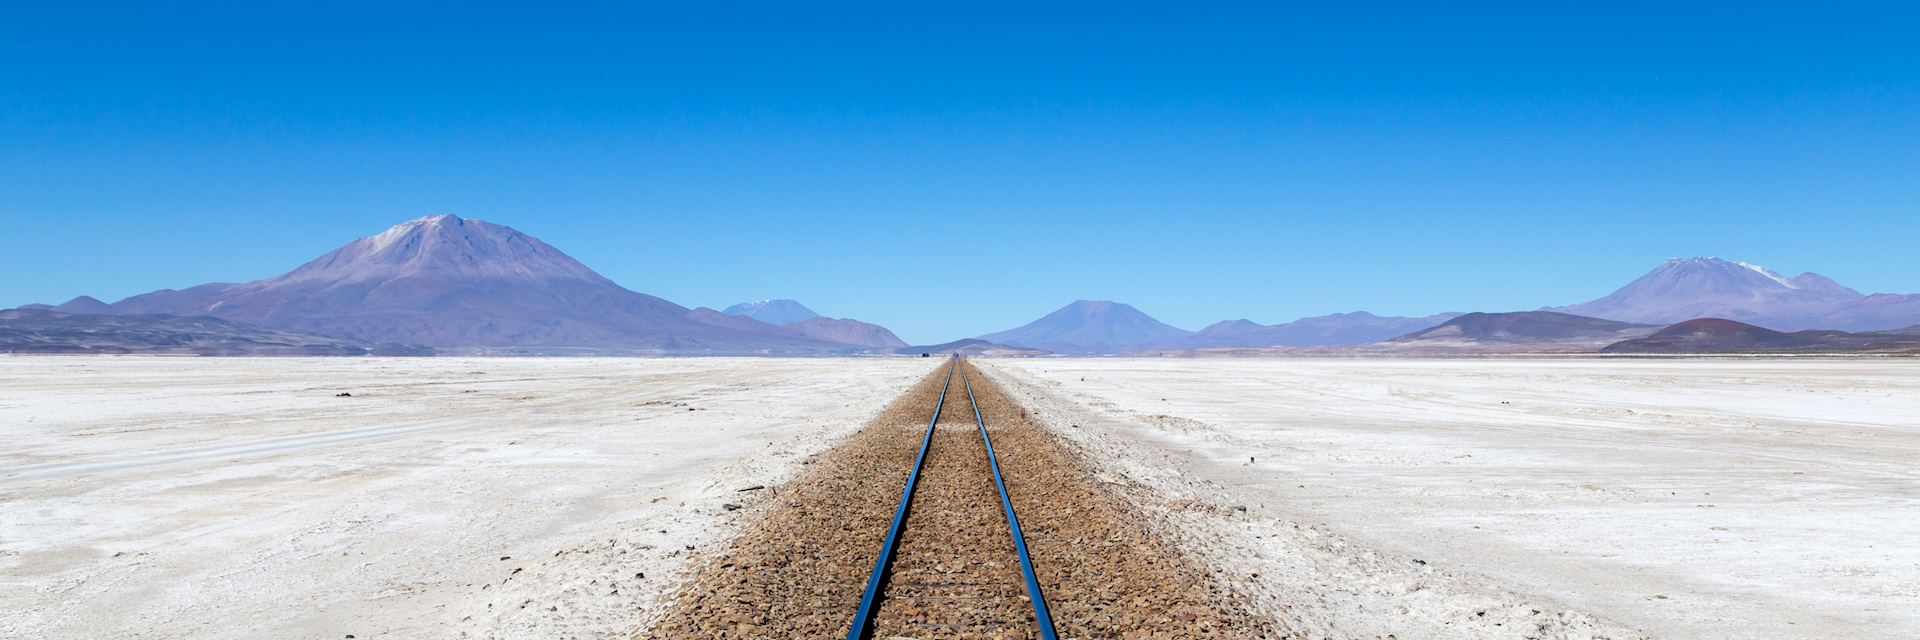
<point x="862" y="627"/>
<point x="1042" y="618"/>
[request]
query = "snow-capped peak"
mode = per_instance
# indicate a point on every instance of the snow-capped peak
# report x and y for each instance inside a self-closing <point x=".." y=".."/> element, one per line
<point x="1768" y="273"/>
<point x="772" y="311"/>
<point x="1711" y="261"/>
<point x="394" y="233"/>
<point x="1685" y="289"/>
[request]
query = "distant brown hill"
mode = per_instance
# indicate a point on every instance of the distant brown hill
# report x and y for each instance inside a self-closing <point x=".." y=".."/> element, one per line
<point x="1712" y="334"/>
<point x="1719" y="335"/>
<point x="1524" y="327"/>
<point x="43" y="331"/>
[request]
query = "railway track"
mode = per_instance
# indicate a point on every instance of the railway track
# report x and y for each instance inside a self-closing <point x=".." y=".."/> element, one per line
<point x="864" y="618"/>
<point x="910" y="528"/>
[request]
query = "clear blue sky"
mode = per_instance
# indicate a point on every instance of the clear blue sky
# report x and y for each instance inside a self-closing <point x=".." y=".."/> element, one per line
<point x="950" y="170"/>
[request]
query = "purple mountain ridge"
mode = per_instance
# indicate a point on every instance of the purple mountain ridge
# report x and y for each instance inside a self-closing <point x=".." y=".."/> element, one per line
<point x="848" y="331"/>
<point x="971" y="347"/>
<point x="1877" y="312"/>
<point x="453" y="283"/>
<point x="1334" y="330"/>
<point x="1686" y="289"/>
<point x="88" y="305"/>
<point x="1091" y="326"/>
<point x="43" y="331"/>
<point x="793" y="315"/>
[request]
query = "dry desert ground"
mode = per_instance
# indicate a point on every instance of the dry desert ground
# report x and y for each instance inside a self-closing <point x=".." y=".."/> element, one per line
<point x="1723" y="498"/>
<point x="243" y="498"/>
<point x="158" y="497"/>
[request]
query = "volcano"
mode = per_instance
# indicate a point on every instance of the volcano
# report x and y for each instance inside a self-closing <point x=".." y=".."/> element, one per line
<point x="1687" y="288"/>
<point x="1091" y="326"/>
<point x="459" y="284"/>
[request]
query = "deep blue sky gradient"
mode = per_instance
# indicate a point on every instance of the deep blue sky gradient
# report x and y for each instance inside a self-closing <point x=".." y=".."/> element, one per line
<point x="951" y="170"/>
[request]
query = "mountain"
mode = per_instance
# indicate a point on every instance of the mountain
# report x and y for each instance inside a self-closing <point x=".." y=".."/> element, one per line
<point x="1530" y="329"/>
<point x="1719" y="335"/>
<point x="1229" y="329"/>
<point x="1091" y="326"/>
<point x="469" y="286"/>
<point x="793" y="315"/>
<point x="848" y="331"/>
<point x="40" y="331"/>
<point x="773" y="311"/>
<point x="1880" y="311"/>
<point x="1685" y="289"/>
<point x="1711" y="334"/>
<point x="1339" y="329"/>
<point x="708" y="316"/>
<point x="971" y="347"/>
<point x="85" y="304"/>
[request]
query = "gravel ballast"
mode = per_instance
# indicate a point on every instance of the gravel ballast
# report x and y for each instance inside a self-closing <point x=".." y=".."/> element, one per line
<point x="799" y="570"/>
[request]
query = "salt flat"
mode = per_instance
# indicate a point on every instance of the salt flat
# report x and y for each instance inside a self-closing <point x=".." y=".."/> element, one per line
<point x="245" y="497"/>
<point x="1682" y="498"/>
<point x="560" y="497"/>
